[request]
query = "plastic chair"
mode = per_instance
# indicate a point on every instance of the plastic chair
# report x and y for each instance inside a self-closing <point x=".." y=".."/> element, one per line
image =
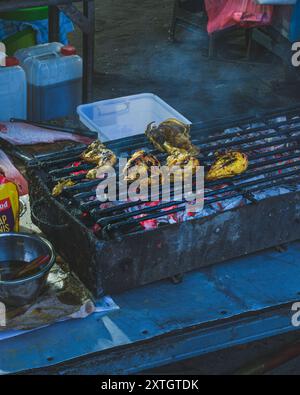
<point x="191" y="14"/>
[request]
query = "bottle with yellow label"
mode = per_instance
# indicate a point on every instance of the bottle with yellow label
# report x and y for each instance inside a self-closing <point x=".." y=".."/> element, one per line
<point x="9" y="206"/>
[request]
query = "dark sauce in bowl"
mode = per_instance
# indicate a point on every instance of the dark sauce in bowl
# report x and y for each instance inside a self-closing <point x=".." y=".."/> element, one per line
<point x="9" y="270"/>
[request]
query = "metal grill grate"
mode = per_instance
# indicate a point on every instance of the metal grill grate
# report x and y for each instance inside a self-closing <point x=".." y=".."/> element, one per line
<point x="272" y="145"/>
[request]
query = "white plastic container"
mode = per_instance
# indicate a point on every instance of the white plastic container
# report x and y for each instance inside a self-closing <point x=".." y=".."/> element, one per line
<point x="54" y="83"/>
<point x="12" y="90"/>
<point x="126" y="116"/>
<point x="37" y="50"/>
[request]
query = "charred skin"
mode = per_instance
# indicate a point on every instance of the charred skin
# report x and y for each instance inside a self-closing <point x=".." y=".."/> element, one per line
<point x="169" y="135"/>
<point x="60" y="186"/>
<point x="227" y="166"/>
<point x="98" y="154"/>
<point x="179" y="161"/>
<point x="140" y="163"/>
<point x="94" y="152"/>
<point x="107" y="161"/>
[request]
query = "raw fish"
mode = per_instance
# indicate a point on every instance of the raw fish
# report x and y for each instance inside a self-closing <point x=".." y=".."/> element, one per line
<point x="23" y="134"/>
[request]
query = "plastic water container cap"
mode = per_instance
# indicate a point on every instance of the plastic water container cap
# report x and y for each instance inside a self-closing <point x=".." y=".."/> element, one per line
<point x="11" y="61"/>
<point x="68" y="50"/>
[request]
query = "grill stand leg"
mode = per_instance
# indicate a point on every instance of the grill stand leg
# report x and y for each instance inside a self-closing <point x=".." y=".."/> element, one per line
<point x="86" y="22"/>
<point x="53" y="24"/>
<point x="249" y="42"/>
<point x="211" y="46"/>
<point x="173" y="26"/>
<point x="88" y="50"/>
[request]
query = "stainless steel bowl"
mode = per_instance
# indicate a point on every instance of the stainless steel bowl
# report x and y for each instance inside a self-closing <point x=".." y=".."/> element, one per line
<point x="24" y="247"/>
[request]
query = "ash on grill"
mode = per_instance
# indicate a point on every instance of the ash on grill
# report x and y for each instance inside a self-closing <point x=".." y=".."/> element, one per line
<point x="274" y="164"/>
<point x="144" y="242"/>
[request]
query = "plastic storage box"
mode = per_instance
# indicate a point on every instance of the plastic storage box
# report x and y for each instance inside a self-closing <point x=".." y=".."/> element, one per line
<point x="126" y="116"/>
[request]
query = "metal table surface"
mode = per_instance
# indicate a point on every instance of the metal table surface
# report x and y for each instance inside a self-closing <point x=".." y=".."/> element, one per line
<point x="84" y="19"/>
<point x="232" y="303"/>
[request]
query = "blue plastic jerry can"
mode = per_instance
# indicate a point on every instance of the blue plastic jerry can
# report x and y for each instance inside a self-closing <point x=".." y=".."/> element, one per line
<point x="12" y="90"/>
<point x="41" y="49"/>
<point x="54" y="83"/>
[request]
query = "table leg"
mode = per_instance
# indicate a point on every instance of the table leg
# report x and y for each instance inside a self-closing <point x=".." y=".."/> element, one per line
<point x="53" y="24"/>
<point x="211" y="46"/>
<point x="173" y="26"/>
<point x="88" y="51"/>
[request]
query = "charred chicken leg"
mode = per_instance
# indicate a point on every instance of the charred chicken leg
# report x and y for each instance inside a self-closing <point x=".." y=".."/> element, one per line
<point x="171" y="134"/>
<point x="181" y="160"/>
<point x="97" y="153"/>
<point x="139" y="164"/>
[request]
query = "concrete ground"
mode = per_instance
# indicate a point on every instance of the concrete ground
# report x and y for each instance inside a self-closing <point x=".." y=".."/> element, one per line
<point x="134" y="55"/>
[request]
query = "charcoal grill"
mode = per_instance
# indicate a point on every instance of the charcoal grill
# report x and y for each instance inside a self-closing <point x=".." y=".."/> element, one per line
<point x="109" y="248"/>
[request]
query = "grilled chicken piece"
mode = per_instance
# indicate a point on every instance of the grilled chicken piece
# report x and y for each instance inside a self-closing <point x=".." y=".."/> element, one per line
<point x="60" y="186"/>
<point x="100" y="155"/>
<point x="107" y="161"/>
<point x="97" y="152"/>
<point x="228" y="165"/>
<point x="180" y="160"/>
<point x="140" y="163"/>
<point x="169" y="135"/>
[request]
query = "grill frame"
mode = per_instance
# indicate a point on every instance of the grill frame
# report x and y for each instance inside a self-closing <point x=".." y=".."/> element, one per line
<point x="135" y="259"/>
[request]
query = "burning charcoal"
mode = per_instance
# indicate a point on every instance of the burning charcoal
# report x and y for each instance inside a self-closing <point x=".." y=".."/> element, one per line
<point x="110" y="236"/>
<point x="96" y="228"/>
<point x="150" y="224"/>
<point x="77" y="173"/>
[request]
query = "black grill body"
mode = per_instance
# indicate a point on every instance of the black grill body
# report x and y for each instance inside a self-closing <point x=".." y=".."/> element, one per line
<point x="124" y="256"/>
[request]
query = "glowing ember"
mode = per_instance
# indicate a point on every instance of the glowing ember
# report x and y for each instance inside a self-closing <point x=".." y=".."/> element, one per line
<point x="77" y="164"/>
<point x="230" y="200"/>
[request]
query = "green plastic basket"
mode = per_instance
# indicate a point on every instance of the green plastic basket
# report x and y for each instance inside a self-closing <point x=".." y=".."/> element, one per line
<point x="26" y="14"/>
<point x="24" y="39"/>
<point x="27" y="37"/>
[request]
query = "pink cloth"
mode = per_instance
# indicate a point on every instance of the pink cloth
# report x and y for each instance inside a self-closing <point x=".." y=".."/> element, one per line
<point x="13" y="174"/>
<point x="223" y="14"/>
